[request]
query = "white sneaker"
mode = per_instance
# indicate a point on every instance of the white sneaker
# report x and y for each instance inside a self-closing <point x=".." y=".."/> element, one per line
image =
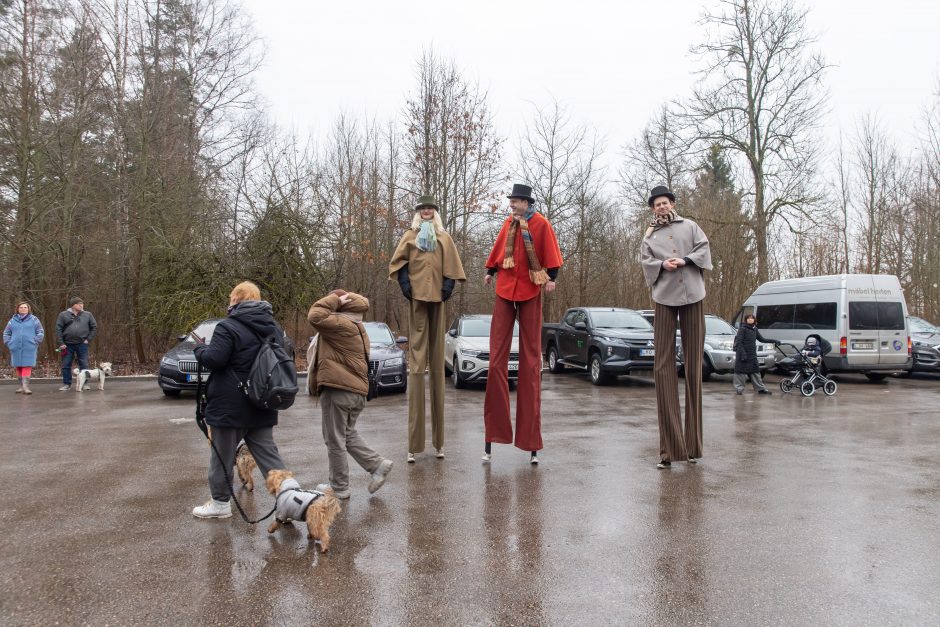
<point x="534" y="460"/>
<point x="65" y="388"/>
<point x="411" y="458"/>
<point x="487" y="457"/>
<point x="340" y="494"/>
<point x="439" y="454"/>
<point x="213" y="509"/>
<point x="380" y="475"/>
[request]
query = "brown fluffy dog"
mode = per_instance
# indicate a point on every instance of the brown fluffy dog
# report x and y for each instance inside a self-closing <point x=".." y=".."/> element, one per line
<point x="320" y="513"/>
<point x="245" y="465"/>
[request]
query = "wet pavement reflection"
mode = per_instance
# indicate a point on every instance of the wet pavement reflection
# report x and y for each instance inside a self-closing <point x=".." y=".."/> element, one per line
<point x="802" y="511"/>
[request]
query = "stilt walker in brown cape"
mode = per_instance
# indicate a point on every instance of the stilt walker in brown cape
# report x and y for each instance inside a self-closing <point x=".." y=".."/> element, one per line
<point x="427" y="267"/>
<point x="674" y="254"/>
<point x="525" y="260"/>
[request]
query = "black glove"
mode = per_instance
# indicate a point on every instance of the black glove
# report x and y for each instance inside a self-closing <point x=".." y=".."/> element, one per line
<point x="447" y="289"/>
<point x="404" y="281"/>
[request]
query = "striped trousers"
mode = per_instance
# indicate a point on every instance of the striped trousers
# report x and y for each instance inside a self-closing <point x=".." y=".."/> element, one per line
<point x="673" y="444"/>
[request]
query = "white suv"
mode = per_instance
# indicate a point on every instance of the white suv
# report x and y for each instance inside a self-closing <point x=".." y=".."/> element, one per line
<point x="467" y="350"/>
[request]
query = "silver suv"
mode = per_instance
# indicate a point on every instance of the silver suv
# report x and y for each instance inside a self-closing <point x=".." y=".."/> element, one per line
<point x="467" y="350"/>
<point x="719" y="347"/>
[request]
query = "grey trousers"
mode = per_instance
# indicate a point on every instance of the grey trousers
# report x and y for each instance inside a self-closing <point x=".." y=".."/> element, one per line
<point x="756" y="380"/>
<point x="259" y="441"/>
<point x="340" y="411"/>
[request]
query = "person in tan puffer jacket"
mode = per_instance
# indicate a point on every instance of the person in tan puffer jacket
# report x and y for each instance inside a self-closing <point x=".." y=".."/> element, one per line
<point x="339" y="374"/>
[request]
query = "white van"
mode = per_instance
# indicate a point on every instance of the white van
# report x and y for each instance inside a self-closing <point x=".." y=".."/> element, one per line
<point x="863" y="316"/>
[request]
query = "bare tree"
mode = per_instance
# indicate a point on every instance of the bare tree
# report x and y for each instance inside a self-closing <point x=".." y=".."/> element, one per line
<point x="761" y="98"/>
<point x="661" y="155"/>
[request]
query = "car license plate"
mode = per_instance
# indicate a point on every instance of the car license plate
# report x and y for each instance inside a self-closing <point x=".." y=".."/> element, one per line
<point x="192" y="377"/>
<point x="647" y="352"/>
<point x="863" y="346"/>
<point x="513" y="366"/>
<point x="761" y="361"/>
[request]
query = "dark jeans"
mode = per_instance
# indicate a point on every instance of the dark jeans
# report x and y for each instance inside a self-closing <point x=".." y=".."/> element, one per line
<point x="73" y="352"/>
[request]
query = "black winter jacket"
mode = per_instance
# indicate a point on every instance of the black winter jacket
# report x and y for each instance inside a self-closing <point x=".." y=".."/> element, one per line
<point x="229" y="356"/>
<point x="745" y="349"/>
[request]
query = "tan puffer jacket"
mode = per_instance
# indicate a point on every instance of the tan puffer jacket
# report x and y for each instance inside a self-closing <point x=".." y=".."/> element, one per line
<point x="342" y="359"/>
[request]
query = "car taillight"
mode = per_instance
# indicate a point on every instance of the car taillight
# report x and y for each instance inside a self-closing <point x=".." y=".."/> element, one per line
<point x="843" y="346"/>
<point x="910" y="346"/>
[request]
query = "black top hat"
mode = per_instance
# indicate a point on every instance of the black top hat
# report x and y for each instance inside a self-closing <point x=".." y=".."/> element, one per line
<point x="521" y="191"/>
<point x="658" y="191"/>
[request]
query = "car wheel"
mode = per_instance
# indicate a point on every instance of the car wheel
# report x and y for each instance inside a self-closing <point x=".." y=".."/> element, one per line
<point x="707" y="370"/>
<point x="830" y="387"/>
<point x="786" y="386"/>
<point x="598" y="376"/>
<point x="875" y="376"/>
<point x="808" y="388"/>
<point x="554" y="366"/>
<point x="455" y="376"/>
<point x="171" y="393"/>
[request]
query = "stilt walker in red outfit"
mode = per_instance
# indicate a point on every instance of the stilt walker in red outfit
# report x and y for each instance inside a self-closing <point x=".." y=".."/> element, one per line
<point x="525" y="260"/>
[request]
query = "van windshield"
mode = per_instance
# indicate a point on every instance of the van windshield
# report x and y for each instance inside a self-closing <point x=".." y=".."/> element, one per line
<point x="871" y="316"/>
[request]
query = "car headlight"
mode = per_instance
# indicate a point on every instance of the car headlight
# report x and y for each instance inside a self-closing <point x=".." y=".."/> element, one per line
<point x="612" y="340"/>
<point x="725" y="346"/>
<point x="394" y="361"/>
<point x="468" y="353"/>
<point x="169" y="361"/>
<point x="920" y="344"/>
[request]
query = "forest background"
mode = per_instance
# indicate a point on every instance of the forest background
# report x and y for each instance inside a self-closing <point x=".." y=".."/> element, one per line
<point x="140" y="171"/>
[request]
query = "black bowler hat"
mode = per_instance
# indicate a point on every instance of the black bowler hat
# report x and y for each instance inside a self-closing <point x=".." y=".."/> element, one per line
<point x="661" y="190"/>
<point x="521" y="191"/>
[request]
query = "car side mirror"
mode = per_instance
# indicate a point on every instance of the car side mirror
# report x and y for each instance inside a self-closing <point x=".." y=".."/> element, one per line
<point x="401" y="339"/>
<point x="452" y="333"/>
<point x="581" y="326"/>
<point x="182" y="337"/>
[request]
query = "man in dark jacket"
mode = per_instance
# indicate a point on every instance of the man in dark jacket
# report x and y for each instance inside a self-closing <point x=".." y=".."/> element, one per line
<point x="74" y="328"/>
<point x="745" y="356"/>
<point x="235" y="343"/>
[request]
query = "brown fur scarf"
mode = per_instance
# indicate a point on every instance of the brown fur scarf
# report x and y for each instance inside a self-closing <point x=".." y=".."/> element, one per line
<point x="537" y="274"/>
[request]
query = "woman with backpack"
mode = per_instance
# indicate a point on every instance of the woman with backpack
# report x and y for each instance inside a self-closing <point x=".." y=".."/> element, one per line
<point x="230" y="415"/>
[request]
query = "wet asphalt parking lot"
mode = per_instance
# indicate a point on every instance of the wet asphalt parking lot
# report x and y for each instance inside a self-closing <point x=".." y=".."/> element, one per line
<point x="803" y="511"/>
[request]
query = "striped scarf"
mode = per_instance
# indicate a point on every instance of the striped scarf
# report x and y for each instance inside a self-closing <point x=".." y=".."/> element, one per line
<point x="663" y="220"/>
<point x="536" y="273"/>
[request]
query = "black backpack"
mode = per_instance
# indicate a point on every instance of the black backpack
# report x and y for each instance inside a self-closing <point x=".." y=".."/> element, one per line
<point x="272" y="380"/>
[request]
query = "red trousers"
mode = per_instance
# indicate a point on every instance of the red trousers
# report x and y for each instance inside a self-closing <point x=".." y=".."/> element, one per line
<point x="529" y="388"/>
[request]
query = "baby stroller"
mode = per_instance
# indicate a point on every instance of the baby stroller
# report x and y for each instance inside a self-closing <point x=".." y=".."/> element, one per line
<point x="806" y="367"/>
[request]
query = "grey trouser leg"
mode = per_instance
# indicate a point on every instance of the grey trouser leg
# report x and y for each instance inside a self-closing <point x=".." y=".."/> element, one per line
<point x="261" y="444"/>
<point x="340" y="411"/>
<point x="739" y="380"/>
<point x="757" y="381"/>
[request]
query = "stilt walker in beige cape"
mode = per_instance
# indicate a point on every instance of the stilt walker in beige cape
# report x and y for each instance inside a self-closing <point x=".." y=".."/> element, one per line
<point x="427" y="267"/>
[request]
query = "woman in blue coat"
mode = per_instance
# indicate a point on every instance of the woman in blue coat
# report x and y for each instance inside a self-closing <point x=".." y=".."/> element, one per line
<point x="23" y="335"/>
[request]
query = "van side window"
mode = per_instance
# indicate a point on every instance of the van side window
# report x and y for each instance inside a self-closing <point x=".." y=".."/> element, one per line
<point x="815" y="316"/>
<point x="870" y="316"/>
<point x="775" y="316"/>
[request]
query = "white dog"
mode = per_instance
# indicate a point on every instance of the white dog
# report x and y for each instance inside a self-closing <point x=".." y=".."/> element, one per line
<point x="84" y="376"/>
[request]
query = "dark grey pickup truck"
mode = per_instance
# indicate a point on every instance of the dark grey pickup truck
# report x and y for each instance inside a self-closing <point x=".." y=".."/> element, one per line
<point x="605" y="341"/>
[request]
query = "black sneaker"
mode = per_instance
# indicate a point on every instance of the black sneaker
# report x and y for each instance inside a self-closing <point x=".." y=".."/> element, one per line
<point x="664" y="464"/>
<point x="767" y="392"/>
<point x="739" y="392"/>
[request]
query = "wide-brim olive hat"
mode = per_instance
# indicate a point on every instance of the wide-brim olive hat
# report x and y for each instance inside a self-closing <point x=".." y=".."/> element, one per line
<point x="521" y="191"/>
<point x="661" y="190"/>
<point x="426" y="201"/>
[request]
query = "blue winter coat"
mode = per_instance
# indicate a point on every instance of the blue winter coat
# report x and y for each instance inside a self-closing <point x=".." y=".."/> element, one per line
<point x="23" y="338"/>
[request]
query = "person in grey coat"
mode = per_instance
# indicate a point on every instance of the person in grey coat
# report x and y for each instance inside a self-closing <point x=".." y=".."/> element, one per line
<point x="74" y="328"/>
<point x="745" y="356"/>
<point x="23" y="335"/>
<point x="674" y="255"/>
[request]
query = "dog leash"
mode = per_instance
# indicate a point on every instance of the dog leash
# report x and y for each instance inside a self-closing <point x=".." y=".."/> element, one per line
<point x="201" y="422"/>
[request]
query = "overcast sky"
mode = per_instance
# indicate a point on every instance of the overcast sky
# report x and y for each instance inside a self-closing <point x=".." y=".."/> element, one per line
<point x="610" y="63"/>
